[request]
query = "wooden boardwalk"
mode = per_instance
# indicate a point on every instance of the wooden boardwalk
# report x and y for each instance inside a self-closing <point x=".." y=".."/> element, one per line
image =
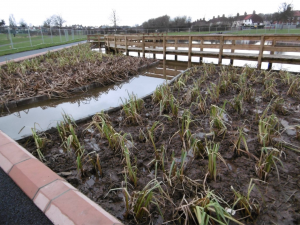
<point x="260" y="48"/>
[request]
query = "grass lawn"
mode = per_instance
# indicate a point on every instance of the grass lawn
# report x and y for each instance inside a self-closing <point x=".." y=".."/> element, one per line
<point x="37" y="44"/>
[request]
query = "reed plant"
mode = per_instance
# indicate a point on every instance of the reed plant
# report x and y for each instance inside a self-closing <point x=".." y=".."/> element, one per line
<point x="267" y="127"/>
<point x="240" y="139"/>
<point x="269" y="158"/>
<point x="248" y="207"/>
<point x="294" y="87"/>
<point x="156" y="125"/>
<point x="214" y="92"/>
<point x="212" y="151"/>
<point x="208" y="209"/>
<point x="217" y="119"/>
<point x="132" y="108"/>
<point x="39" y="142"/>
<point x="237" y="103"/>
<point x="131" y="170"/>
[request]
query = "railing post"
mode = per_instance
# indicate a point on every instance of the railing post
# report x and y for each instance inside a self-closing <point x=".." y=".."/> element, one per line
<point x="190" y="51"/>
<point x="115" y="44"/>
<point x="271" y="53"/>
<point x="261" y="51"/>
<point x="11" y="42"/>
<point x="143" y="45"/>
<point x="176" y="48"/>
<point x="126" y="46"/>
<point x="154" y="42"/>
<point x="221" y="49"/>
<point x="201" y="49"/>
<point x="29" y="37"/>
<point x="164" y="48"/>
<point x="232" y="51"/>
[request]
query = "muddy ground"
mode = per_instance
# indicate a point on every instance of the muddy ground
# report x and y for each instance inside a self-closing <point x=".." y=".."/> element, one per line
<point x="278" y="198"/>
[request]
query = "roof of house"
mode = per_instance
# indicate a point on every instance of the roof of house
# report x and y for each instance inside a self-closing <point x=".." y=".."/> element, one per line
<point x="296" y="13"/>
<point x="254" y="17"/>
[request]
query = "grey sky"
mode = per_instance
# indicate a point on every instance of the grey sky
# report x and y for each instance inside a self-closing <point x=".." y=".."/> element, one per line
<point x="131" y="12"/>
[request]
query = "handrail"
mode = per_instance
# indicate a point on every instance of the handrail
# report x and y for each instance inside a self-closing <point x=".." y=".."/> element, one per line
<point x="227" y="44"/>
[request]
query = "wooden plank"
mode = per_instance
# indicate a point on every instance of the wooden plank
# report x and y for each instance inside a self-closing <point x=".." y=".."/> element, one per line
<point x="164" y="48"/>
<point x="271" y="53"/>
<point x="143" y="46"/>
<point x="190" y="50"/>
<point x="261" y="51"/>
<point x="221" y="50"/>
<point x="281" y="49"/>
<point x="232" y="51"/>
<point x="201" y="49"/>
<point x="126" y="46"/>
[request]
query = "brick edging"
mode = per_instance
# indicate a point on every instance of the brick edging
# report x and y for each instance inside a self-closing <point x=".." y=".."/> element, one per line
<point x="60" y="201"/>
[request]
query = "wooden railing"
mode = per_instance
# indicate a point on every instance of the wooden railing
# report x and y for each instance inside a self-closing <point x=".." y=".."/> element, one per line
<point x="212" y="46"/>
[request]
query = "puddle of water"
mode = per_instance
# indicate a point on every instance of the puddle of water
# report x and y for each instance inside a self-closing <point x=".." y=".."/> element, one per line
<point x="288" y="129"/>
<point x="45" y="115"/>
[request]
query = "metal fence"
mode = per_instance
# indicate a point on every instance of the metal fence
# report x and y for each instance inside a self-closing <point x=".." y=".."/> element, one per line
<point x="25" y="38"/>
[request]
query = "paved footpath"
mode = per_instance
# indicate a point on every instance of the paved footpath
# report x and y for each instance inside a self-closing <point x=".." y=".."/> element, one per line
<point x="16" y="207"/>
<point x="32" y="52"/>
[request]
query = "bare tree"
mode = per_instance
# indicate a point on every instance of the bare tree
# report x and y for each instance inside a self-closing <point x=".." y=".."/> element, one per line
<point x="22" y="23"/>
<point x="285" y="12"/>
<point x="48" y="22"/>
<point x="2" y="23"/>
<point x="114" y="18"/>
<point x="58" y="20"/>
<point x="12" y="21"/>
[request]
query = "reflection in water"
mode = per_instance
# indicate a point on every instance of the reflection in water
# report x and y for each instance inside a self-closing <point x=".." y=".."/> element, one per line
<point x="45" y="115"/>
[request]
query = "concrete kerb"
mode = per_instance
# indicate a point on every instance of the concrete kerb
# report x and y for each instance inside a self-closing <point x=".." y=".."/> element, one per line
<point x="59" y="208"/>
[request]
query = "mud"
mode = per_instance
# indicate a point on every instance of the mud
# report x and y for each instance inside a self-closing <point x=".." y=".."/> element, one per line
<point x="278" y="197"/>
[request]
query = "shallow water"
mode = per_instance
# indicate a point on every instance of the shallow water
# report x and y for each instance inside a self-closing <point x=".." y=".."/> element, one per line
<point x="45" y="115"/>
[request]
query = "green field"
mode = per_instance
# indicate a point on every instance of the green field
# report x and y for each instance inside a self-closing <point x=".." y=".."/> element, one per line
<point x="40" y="46"/>
<point x="22" y="42"/>
<point x="242" y="32"/>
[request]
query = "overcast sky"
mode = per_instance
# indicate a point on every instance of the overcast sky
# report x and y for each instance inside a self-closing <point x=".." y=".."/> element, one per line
<point x="131" y="12"/>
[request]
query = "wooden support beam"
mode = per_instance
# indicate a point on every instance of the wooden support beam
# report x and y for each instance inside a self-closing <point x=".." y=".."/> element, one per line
<point x="261" y="51"/>
<point x="190" y="51"/>
<point x="126" y="46"/>
<point x="271" y="53"/>
<point x="221" y="49"/>
<point x="176" y="48"/>
<point x="143" y="46"/>
<point x="115" y="44"/>
<point x="232" y="51"/>
<point x="201" y="49"/>
<point x="164" y="48"/>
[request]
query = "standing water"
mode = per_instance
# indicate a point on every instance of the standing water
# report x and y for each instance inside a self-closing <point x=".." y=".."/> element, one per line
<point x="44" y="115"/>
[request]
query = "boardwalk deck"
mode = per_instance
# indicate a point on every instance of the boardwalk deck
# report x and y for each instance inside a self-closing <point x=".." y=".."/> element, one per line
<point x="260" y="48"/>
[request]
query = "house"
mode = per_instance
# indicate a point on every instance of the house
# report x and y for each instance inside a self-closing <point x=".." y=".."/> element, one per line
<point x="219" y="21"/>
<point x="296" y="17"/>
<point x="200" y="23"/>
<point x="247" y="20"/>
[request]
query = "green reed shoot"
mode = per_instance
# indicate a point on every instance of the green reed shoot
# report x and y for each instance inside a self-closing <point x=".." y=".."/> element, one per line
<point x="248" y="207"/>
<point x="237" y="103"/>
<point x="241" y="139"/>
<point x="217" y="118"/>
<point x="201" y="103"/>
<point x="132" y="170"/>
<point x="151" y="131"/>
<point x="267" y="127"/>
<point x="268" y="159"/>
<point x="214" y="92"/>
<point x="212" y="150"/>
<point x="208" y="210"/>
<point x="132" y="108"/>
<point x="294" y="87"/>
<point x="39" y="142"/>
<point x="248" y="94"/>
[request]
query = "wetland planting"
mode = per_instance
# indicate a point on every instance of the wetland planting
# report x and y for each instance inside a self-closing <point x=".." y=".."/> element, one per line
<point x="59" y="74"/>
<point x="219" y="145"/>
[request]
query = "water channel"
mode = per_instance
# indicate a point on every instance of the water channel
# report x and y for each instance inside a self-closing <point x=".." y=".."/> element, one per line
<point x="44" y="115"/>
